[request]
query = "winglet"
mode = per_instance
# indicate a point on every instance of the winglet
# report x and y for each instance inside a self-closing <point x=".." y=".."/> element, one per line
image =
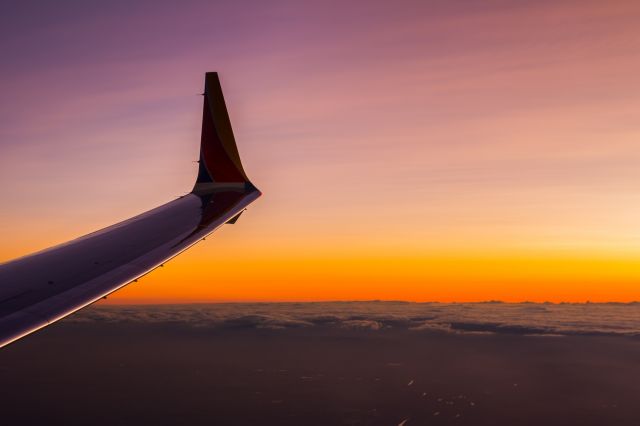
<point x="219" y="164"/>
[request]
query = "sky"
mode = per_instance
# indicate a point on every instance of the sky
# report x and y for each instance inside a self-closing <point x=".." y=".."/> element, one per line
<point x="410" y="150"/>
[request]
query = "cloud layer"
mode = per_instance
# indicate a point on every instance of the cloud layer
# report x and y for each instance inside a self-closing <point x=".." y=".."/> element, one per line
<point x="493" y="317"/>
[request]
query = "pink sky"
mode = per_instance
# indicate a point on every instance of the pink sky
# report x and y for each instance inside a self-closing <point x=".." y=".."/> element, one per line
<point x="374" y="129"/>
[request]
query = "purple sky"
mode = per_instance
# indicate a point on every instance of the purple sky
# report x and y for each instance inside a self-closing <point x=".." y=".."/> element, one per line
<point x="374" y="128"/>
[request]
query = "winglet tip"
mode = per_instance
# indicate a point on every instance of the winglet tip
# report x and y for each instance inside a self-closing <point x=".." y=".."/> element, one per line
<point x="219" y="158"/>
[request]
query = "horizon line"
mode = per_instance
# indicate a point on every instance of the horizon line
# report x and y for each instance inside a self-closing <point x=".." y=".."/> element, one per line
<point x="290" y="302"/>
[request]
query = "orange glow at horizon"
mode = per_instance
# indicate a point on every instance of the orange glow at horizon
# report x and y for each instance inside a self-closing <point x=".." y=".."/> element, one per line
<point x="455" y="277"/>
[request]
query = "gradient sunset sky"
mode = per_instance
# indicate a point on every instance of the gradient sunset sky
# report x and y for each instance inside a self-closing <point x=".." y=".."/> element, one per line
<point x="413" y="150"/>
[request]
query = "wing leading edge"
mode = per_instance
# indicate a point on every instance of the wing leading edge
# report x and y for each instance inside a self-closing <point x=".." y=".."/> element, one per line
<point x="41" y="288"/>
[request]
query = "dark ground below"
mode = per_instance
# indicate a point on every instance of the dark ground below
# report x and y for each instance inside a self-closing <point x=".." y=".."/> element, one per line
<point x="155" y="374"/>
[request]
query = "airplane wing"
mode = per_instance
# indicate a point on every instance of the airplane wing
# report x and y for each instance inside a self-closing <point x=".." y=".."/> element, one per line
<point x="41" y="288"/>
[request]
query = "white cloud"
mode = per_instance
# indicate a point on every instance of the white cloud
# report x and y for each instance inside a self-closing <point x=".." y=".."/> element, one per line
<point x="523" y="318"/>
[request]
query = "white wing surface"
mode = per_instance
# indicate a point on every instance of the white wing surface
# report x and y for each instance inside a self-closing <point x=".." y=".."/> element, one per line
<point x="44" y="287"/>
